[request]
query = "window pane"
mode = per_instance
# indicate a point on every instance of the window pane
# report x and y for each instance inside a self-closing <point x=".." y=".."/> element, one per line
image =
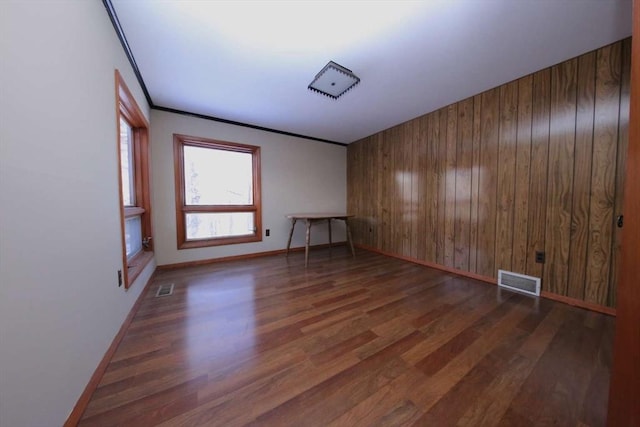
<point x="126" y="163"/>
<point x="133" y="235"/>
<point x="212" y="225"/>
<point x="217" y="177"/>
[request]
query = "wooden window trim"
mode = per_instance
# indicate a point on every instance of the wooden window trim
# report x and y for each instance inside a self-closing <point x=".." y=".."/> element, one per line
<point x="133" y="211"/>
<point x="137" y="263"/>
<point x="127" y="107"/>
<point x="179" y="142"/>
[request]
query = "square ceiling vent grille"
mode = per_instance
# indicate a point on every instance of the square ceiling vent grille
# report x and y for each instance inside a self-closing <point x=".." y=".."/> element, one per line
<point x="333" y="80"/>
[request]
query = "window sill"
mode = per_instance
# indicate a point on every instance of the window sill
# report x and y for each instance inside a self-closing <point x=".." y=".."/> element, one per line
<point x="130" y="211"/>
<point x="203" y="243"/>
<point x="136" y="265"/>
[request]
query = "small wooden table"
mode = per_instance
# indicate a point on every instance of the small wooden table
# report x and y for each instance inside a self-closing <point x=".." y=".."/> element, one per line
<point x="310" y="218"/>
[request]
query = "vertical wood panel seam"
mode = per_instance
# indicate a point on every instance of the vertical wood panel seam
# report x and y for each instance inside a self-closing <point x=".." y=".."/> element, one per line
<point x="573" y="173"/>
<point x="527" y="255"/>
<point x="443" y="179"/>
<point x="497" y="180"/>
<point x="479" y="180"/>
<point x="515" y="174"/>
<point x="455" y="181"/>
<point x="473" y="136"/>
<point x="593" y="136"/>
<point x="439" y="183"/>
<point x="473" y="106"/>
<point x="546" y="175"/>
<point x="615" y="187"/>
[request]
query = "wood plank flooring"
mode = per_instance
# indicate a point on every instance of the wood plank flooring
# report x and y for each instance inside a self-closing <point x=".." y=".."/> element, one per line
<point x="351" y="342"/>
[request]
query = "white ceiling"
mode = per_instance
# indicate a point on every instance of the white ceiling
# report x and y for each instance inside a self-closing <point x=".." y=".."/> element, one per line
<point x="251" y="61"/>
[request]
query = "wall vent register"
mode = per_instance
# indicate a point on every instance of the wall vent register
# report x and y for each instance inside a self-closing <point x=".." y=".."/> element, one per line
<point x="519" y="282"/>
<point x="164" y="290"/>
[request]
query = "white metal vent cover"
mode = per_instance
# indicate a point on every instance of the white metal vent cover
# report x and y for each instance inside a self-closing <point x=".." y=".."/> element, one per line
<point x="165" y="290"/>
<point x="519" y="282"/>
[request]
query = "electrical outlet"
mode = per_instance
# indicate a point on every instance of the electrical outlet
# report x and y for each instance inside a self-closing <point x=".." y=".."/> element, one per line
<point x="540" y="257"/>
<point x="267" y="232"/>
<point x="119" y="278"/>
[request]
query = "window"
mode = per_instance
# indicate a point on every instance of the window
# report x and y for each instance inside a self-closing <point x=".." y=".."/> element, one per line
<point x="132" y="222"/>
<point x="133" y="156"/>
<point x="217" y="192"/>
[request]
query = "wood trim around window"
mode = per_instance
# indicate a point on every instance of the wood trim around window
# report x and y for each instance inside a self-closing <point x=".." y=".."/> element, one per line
<point x="179" y="141"/>
<point x="127" y="107"/>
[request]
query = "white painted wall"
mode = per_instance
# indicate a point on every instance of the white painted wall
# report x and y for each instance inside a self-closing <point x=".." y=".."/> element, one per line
<point x="60" y="305"/>
<point x="298" y="175"/>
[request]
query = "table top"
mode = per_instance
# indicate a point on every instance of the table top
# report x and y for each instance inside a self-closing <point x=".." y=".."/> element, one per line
<point x="329" y="215"/>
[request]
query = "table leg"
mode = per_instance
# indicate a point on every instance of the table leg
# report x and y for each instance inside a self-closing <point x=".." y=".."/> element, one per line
<point x="329" y="222"/>
<point x="306" y="245"/>
<point x="346" y="223"/>
<point x="293" y="224"/>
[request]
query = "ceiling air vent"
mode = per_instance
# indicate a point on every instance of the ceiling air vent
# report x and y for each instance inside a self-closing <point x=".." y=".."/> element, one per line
<point x="519" y="282"/>
<point x="333" y="80"/>
<point x="164" y="290"/>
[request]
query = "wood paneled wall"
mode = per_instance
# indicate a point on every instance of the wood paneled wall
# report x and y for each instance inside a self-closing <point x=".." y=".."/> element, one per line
<point x="536" y="164"/>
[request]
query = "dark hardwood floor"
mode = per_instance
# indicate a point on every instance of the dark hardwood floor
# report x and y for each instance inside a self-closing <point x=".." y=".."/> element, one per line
<point x="351" y="342"/>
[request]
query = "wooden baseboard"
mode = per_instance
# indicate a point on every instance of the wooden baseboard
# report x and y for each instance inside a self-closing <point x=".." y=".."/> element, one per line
<point x="579" y="303"/>
<point x="243" y="256"/>
<point x="492" y="280"/>
<point x="83" y="400"/>
<point x="475" y="276"/>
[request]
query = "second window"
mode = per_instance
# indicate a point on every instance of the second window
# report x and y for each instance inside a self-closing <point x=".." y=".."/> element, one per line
<point x="217" y="192"/>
